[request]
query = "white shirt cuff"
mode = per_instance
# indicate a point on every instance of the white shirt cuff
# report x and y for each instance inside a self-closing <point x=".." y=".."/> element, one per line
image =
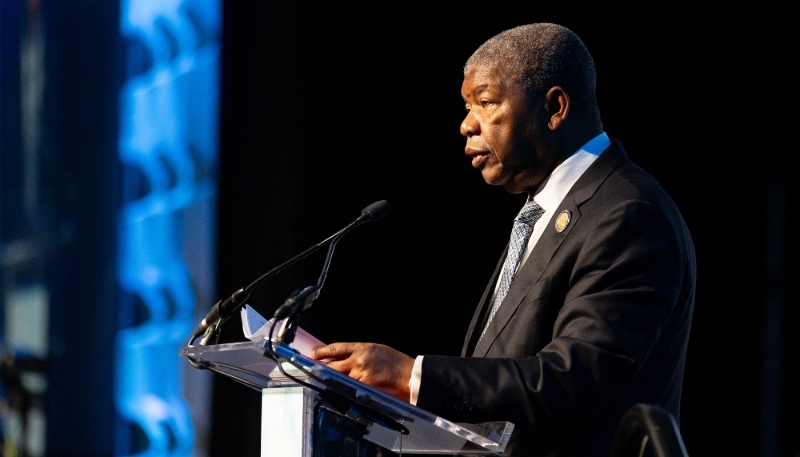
<point x="416" y="380"/>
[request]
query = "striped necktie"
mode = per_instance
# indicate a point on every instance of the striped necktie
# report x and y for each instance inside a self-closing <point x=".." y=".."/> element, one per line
<point x="520" y="234"/>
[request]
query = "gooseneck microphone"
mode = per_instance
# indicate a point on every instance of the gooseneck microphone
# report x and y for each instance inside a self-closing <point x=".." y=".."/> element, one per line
<point x="303" y="300"/>
<point x="373" y="212"/>
<point x="224" y="309"/>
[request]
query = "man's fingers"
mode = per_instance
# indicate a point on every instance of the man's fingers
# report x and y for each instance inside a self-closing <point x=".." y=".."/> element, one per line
<point x="334" y="351"/>
<point x="373" y="364"/>
<point x="342" y="366"/>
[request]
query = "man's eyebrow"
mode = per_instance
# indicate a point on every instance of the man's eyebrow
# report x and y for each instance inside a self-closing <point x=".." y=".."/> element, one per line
<point x="479" y="89"/>
<point x="476" y="91"/>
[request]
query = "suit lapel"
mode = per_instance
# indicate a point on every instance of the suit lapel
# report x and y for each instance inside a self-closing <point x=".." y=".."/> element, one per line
<point x="529" y="275"/>
<point x="472" y="335"/>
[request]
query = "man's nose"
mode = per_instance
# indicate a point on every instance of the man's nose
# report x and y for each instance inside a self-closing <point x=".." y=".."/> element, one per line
<point x="470" y="126"/>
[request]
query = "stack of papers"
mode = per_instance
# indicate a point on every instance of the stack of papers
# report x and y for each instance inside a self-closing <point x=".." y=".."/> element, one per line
<point x="256" y="328"/>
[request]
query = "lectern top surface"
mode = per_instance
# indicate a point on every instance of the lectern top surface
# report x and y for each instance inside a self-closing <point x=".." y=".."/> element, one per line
<point x="427" y="433"/>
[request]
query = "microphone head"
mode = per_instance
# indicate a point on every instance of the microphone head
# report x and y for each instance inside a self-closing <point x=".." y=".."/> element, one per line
<point x="376" y="211"/>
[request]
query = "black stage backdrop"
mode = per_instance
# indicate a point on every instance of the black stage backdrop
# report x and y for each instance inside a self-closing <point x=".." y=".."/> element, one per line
<point x="329" y="108"/>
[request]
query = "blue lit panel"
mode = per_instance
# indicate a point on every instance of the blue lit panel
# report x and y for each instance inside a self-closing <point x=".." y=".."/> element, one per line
<point x="168" y="143"/>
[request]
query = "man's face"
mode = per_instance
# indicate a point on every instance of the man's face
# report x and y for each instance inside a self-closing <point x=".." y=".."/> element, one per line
<point x="501" y="130"/>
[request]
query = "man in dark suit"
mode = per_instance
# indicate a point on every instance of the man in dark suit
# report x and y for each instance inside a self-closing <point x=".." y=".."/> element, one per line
<point x="588" y="311"/>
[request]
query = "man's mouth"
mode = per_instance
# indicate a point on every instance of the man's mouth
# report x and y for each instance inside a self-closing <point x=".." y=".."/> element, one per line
<point x="478" y="156"/>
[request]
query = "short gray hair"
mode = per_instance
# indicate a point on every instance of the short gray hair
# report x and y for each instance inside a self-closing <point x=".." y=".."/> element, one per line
<point x="540" y="56"/>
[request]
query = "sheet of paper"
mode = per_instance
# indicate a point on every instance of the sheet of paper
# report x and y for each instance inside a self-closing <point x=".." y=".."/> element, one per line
<point x="256" y="328"/>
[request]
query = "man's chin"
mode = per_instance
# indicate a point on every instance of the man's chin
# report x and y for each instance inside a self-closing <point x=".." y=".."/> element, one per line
<point x="492" y="179"/>
<point x="511" y="184"/>
<point x="502" y="181"/>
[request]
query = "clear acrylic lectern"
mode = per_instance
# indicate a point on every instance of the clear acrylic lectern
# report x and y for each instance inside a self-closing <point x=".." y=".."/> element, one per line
<point x="298" y="421"/>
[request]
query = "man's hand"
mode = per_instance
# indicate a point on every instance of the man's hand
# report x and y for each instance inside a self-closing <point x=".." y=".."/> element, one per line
<point x="376" y="365"/>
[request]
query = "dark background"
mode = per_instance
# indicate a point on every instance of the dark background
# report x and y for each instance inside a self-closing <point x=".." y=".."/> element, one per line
<point x="328" y="108"/>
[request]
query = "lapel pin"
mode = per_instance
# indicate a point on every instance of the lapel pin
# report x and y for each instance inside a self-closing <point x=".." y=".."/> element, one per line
<point x="563" y="220"/>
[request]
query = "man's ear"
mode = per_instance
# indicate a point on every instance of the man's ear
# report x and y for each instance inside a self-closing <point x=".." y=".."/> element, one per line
<point x="556" y="102"/>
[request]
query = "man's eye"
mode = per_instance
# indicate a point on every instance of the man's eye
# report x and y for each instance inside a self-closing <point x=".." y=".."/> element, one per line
<point x="486" y="103"/>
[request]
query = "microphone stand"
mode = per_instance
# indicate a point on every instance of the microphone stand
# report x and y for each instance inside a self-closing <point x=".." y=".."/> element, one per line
<point x="209" y="327"/>
<point x="301" y="301"/>
<point x="222" y="310"/>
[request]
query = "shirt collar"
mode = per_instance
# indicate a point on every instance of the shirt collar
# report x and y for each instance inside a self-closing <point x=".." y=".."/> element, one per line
<point x="556" y="186"/>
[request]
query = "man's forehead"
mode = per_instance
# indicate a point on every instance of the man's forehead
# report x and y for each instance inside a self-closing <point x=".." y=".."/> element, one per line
<point x="481" y="78"/>
<point x="496" y="70"/>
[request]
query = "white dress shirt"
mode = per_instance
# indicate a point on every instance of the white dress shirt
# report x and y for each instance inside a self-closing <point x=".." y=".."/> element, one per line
<point x="549" y="195"/>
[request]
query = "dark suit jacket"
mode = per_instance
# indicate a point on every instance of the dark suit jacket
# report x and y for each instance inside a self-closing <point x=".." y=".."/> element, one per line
<point x="595" y="321"/>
